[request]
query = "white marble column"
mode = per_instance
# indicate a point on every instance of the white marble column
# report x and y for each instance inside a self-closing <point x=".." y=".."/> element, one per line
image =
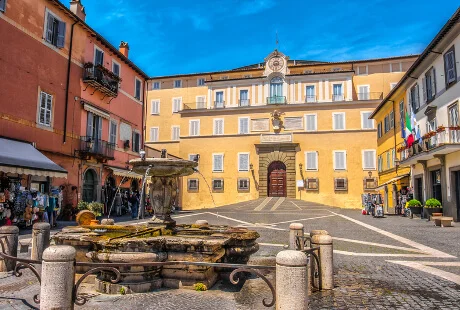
<point x="228" y="100"/>
<point x="209" y="98"/>
<point x="299" y="92"/>
<point x="327" y="95"/>
<point x="235" y="98"/>
<point x="259" y="94"/>
<point x="320" y="90"/>
<point x="349" y="89"/>
<point x="253" y="94"/>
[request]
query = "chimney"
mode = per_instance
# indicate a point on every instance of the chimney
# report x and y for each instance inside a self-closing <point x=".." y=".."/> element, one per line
<point x="124" y="48"/>
<point x="78" y="9"/>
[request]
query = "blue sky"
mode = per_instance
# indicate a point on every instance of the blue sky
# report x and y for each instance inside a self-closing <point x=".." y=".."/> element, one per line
<point x="174" y="37"/>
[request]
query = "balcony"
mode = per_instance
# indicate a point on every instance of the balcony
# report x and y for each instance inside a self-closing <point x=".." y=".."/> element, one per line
<point x="276" y="100"/>
<point x="338" y="97"/>
<point x="440" y="142"/>
<point x="243" y="103"/>
<point x="219" y="104"/>
<point x="96" y="148"/>
<point x="370" y="96"/>
<point x="310" y="98"/>
<point x="101" y="79"/>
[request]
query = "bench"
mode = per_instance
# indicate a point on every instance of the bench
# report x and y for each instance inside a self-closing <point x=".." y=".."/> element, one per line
<point x="435" y="214"/>
<point x="443" y="221"/>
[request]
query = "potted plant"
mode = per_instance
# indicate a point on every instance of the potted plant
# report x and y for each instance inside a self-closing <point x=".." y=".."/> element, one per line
<point x="432" y="205"/>
<point x="414" y="206"/>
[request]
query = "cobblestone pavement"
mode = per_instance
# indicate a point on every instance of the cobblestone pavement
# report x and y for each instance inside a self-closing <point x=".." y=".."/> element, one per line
<point x="387" y="263"/>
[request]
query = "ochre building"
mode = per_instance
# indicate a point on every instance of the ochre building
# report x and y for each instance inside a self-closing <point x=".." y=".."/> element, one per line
<point x="279" y="128"/>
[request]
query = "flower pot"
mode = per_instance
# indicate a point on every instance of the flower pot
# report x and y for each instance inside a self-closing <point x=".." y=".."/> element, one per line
<point x="416" y="210"/>
<point x="428" y="212"/>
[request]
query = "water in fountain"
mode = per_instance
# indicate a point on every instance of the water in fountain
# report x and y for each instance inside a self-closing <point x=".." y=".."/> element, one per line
<point x="142" y="199"/>
<point x="117" y="191"/>
<point x="209" y="187"/>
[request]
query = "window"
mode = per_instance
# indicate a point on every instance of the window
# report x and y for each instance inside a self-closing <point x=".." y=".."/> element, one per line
<point x="431" y="125"/>
<point x="379" y="130"/>
<point x="387" y="123"/>
<point x="98" y="56"/>
<point x="224" y="77"/>
<point x="366" y="123"/>
<point x="2" y="5"/>
<point x="363" y="92"/>
<point x="362" y="70"/>
<point x="429" y="85"/>
<point x="401" y="113"/>
<point x="193" y="184"/>
<point x="312" y="184"/>
<point x="94" y="127"/>
<point x="154" y="132"/>
<point x="155" y="107"/>
<point x="276" y="90"/>
<point x="337" y="94"/>
<point x="243" y="161"/>
<point x="113" y="132"/>
<point x="340" y="160"/>
<point x="414" y="97"/>
<point x="393" y="85"/>
<point x="388" y="160"/>
<point x="338" y="121"/>
<point x="177" y="83"/>
<point x="243" y="184"/>
<point x="200" y="82"/>
<point x="218" y="128"/>
<point x="115" y="68"/>
<point x="194" y="129"/>
<point x="218" y="185"/>
<point x="54" y="29"/>
<point x="380" y="163"/>
<point x="340" y="184"/>
<point x="219" y="103"/>
<point x="393" y="157"/>
<point x="46" y="109"/>
<point x="136" y="142"/>
<point x="310" y="122"/>
<point x="243" y="125"/>
<point x="175" y="133"/>
<point x="311" y="161"/>
<point x="156" y="85"/>
<point x="244" y="98"/>
<point x="450" y="69"/>
<point x="454" y="122"/>
<point x="310" y="95"/>
<point x="217" y="162"/>
<point x="176" y="104"/>
<point x="392" y="119"/>
<point x="368" y="159"/>
<point x="201" y="102"/>
<point x="395" y="67"/>
<point x="137" y="88"/>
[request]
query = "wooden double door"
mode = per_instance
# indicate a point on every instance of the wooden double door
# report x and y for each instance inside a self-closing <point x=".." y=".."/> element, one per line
<point x="277" y="179"/>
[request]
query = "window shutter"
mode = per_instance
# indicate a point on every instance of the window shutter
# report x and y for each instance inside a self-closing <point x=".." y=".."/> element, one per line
<point x="2" y="5"/>
<point x="243" y="164"/>
<point x="418" y="96"/>
<point x="311" y="122"/>
<point x="99" y="129"/>
<point x="49" y="28"/>
<point x="89" y="125"/>
<point x="61" y="35"/>
<point x="433" y="83"/>
<point x="424" y="89"/>
<point x="449" y="63"/>
<point x="42" y="110"/>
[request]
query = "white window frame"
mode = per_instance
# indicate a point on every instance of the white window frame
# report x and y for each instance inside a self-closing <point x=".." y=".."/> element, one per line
<point x="217" y="154"/>
<point x="221" y="189"/>
<point x="190" y="127"/>
<point x="174" y="84"/>
<point x="314" y="92"/>
<point x="368" y="91"/>
<point x="239" y="125"/>
<point x="172" y="132"/>
<point x="197" y="184"/>
<point x="159" y="85"/>
<point x="204" y="101"/>
<point x="180" y="104"/>
<point x="243" y="188"/>
<point x="342" y="87"/>
<point x="157" y="138"/>
<point x="214" y="133"/>
<point x="50" y="125"/>
<point x="119" y="66"/>
<point x="374" y="159"/>
<point x="140" y="90"/>
<point x="345" y="161"/>
<point x="344" y="120"/>
<point x="316" y="122"/>
<point x="361" y="73"/>
<point x="399" y="69"/>
<point x="316" y="160"/>
<point x="362" y="120"/>
<point x="239" y="163"/>
<point x="110" y="130"/>
<point x="151" y="106"/>
<point x="198" y="82"/>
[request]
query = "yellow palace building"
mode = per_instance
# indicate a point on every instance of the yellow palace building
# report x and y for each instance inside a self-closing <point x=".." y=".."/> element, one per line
<point x="279" y="128"/>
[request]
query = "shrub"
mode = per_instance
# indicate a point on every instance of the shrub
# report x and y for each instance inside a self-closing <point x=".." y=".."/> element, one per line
<point x="95" y="207"/>
<point x="82" y="205"/>
<point x="433" y="203"/>
<point x="200" y="287"/>
<point x="413" y="203"/>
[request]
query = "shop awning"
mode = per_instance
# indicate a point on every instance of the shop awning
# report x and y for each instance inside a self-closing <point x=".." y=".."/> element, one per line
<point x="392" y="181"/>
<point x="24" y="158"/>
<point x="125" y="173"/>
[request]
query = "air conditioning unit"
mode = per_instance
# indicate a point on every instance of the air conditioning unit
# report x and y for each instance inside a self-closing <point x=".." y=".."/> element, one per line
<point x="126" y="144"/>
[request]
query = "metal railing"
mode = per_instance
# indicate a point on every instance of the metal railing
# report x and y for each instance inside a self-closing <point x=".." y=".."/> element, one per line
<point x="219" y="104"/>
<point x="370" y="96"/>
<point x="339" y="97"/>
<point x="303" y="244"/>
<point x="101" y="79"/>
<point x="243" y="103"/>
<point x="91" y="146"/>
<point x="310" y="98"/>
<point x="276" y="100"/>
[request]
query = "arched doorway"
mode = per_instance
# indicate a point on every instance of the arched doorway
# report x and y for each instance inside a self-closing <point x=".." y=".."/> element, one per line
<point x="276" y="179"/>
<point x="89" y="185"/>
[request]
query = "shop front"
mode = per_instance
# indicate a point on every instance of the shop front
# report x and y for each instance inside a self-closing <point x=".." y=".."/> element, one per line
<point x="395" y="193"/>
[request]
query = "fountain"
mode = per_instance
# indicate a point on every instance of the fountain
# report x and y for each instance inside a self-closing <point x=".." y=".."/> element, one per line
<point x="160" y="239"/>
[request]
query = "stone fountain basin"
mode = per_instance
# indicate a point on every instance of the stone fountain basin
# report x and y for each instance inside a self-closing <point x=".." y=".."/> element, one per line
<point x="163" y="167"/>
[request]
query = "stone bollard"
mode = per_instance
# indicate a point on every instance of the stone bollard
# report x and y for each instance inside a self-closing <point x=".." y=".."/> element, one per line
<point x="10" y="246"/>
<point x="58" y="277"/>
<point x="318" y="232"/>
<point x="326" y="260"/>
<point x="40" y="240"/>
<point x="291" y="280"/>
<point x="295" y="230"/>
<point x="107" y="222"/>
<point x="201" y="223"/>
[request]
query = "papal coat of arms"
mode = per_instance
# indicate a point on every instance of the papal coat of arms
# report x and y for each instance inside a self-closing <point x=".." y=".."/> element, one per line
<point x="277" y="123"/>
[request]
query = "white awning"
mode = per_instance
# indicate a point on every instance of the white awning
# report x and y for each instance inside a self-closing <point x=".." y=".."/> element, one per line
<point x="23" y="158"/>
<point x="92" y="109"/>
<point x="125" y="173"/>
<point x="392" y="181"/>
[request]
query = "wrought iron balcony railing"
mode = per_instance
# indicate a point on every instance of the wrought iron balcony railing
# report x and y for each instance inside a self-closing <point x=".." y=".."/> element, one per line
<point x="276" y="100"/>
<point x="97" y="148"/>
<point x="219" y="104"/>
<point x="243" y="102"/>
<point x="370" y="96"/>
<point x="310" y="98"/>
<point x="101" y="79"/>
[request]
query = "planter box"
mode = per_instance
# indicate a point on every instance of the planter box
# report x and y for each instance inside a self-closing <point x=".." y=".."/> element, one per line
<point x="416" y="210"/>
<point x="428" y="212"/>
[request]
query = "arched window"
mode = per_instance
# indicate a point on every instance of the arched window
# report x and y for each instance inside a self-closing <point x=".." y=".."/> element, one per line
<point x="276" y="90"/>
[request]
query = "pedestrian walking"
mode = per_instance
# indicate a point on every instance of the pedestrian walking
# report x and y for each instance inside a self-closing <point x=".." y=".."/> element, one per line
<point x="118" y="204"/>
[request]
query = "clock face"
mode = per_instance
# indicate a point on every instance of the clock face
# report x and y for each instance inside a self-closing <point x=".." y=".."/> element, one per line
<point x="276" y="63"/>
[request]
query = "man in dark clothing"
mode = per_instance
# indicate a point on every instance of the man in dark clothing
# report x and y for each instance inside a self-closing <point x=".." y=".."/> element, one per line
<point x="134" y="199"/>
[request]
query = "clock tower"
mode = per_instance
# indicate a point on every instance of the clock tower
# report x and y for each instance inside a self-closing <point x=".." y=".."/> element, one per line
<point x="276" y="62"/>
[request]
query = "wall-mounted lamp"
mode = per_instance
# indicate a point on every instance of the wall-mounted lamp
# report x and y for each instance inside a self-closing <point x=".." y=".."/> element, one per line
<point x="370" y="174"/>
<point x="196" y="158"/>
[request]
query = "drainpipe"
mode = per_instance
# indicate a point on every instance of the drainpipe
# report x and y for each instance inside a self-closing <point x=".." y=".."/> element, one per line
<point x="69" y="62"/>
<point x="144" y="116"/>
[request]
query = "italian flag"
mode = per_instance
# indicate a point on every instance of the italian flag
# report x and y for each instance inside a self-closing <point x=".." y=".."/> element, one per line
<point x="409" y="135"/>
